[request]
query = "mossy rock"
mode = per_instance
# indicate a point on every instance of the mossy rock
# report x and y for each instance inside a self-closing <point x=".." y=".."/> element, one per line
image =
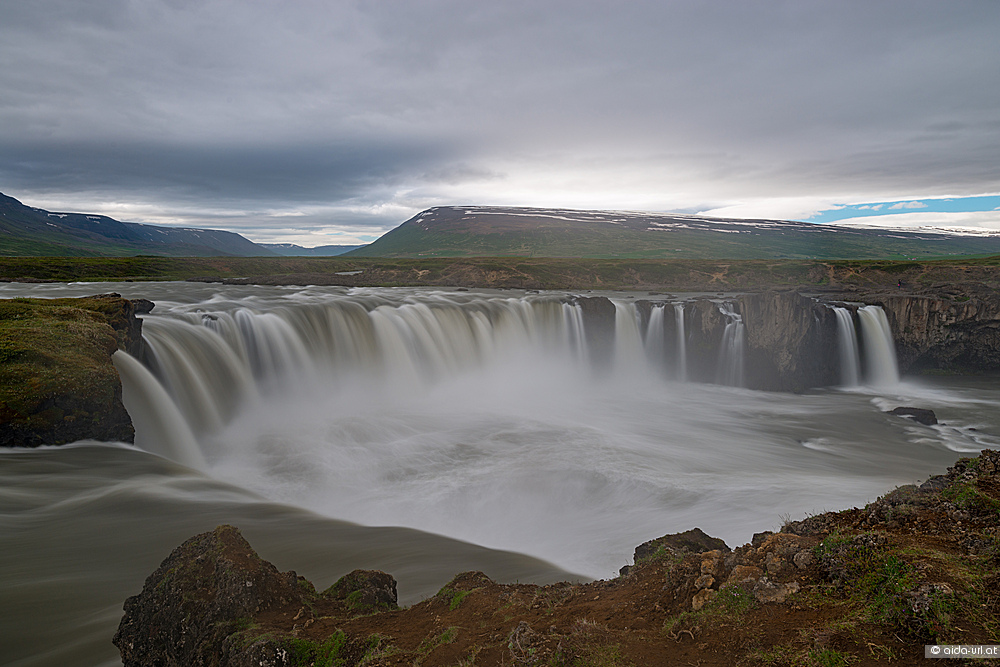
<point x="57" y="382"/>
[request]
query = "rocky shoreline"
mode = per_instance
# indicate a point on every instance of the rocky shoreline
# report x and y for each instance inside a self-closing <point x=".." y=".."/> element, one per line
<point x="862" y="586"/>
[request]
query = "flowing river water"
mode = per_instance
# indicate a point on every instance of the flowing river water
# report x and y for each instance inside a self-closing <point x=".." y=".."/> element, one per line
<point x="428" y="432"/>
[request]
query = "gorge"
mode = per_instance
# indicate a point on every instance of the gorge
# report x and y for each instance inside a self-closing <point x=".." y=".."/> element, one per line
<point x="531" y="436"/>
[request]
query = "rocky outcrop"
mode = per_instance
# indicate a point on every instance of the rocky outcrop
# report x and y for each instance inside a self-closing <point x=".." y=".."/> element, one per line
<point x="920" y="415"/>
<point x="599" y="328"/>
<point x="206" y="590"/>
<point x="912" y="568"/>
<point x="789" y="339"/>
<point x="952" y="332"/>
<point x="57" y="382"/>
<point x="791" y="342"/>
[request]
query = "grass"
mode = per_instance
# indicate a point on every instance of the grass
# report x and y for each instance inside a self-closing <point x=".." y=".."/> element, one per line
<point x="55" y="367"/>
<point x="730" y="605"/>
<point x="515" y="272"/>
<point x="308" y="653"/>
<point x="453" y="597"/>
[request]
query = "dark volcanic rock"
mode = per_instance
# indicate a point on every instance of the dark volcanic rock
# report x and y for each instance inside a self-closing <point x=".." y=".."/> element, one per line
<point x="921" y="415"/>
<point x="692" y="541"/>
<point x="57" y="381"/>
<point x="206" y="590"/>
<point x="791" y="342"/>
<point x="365" y="590"/>
<point x="599" y="328"/>
<point x="958" y="332"/>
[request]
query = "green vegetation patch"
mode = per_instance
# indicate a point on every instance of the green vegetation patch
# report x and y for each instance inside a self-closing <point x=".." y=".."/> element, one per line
<point x="309" y="653"/>
<point x="55" y="364"/>
<point x="452" y="597"/>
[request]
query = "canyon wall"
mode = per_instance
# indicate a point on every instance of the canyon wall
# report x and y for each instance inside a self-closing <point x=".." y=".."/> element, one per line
<point x="959" y="334"/>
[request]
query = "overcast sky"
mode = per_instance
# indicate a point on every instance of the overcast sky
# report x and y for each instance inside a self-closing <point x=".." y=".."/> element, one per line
<point x="317" y="121"/>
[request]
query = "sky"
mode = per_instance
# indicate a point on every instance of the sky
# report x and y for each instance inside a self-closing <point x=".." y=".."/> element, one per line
<point x="330" y="122"/>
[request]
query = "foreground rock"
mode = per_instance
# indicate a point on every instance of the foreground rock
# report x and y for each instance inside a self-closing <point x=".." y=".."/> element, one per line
<point x="919" y="415"/>
<point x="862" y="586"/>
<point x="57" y="382"/>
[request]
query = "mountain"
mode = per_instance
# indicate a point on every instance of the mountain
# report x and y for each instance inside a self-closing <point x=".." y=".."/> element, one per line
<point x="464" y="231"/>
<point x="27" y="231"/>
<point x="292" y="250"/>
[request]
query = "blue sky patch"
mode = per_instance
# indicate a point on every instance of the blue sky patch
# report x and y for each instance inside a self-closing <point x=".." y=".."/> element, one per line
<point x="949" y="205"/>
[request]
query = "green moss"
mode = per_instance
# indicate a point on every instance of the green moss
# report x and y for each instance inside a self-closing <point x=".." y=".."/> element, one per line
<point x="308" y="653"/>
<point x="55" y="367"/>
<point x="966" y="496"/>
<point x="453" y="597"/>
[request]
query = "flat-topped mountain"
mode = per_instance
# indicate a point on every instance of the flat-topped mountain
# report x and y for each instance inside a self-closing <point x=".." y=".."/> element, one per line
<point x="27" y="231"/>
<point x="464" y="231"/>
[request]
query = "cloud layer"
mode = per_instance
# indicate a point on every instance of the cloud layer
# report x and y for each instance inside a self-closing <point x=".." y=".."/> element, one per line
<point x="282" y="119"/>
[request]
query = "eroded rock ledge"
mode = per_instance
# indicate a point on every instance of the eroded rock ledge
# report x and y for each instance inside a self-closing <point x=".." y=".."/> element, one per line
<point x="57" y="382"/>
<point x="861" y="586"/>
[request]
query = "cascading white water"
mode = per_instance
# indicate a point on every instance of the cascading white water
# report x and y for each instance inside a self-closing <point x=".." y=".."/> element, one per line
<point x="881" y="368"/>
<point x="731" y="362"/>
<point x="212" y="364"/>
<point x="654" y="341"/>
<point x="576" y="338"/>
<point x="160" y="427"/>
<point x="847" y="345"/>
<point x="681" y="342"/>
<point x="629" y="353"/>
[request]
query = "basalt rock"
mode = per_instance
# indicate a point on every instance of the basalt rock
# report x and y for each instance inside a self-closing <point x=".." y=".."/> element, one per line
<point x="955" y="332"/>
<point x="57" y="382"/>
<point x="919" y="415"/>
<point x="206" y="590"/>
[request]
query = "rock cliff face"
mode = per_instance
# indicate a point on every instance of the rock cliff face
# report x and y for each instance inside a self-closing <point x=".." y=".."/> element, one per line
<point x="57" y="382"/>
<point x="789" y="341"/>
<point x="955" y="333"/>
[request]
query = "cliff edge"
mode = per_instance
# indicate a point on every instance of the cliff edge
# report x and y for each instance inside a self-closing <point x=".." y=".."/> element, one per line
<point x="57" y="382"/>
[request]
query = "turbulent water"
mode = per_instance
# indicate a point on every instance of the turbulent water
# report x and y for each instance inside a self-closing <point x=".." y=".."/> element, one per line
<point x="316" y="419"/>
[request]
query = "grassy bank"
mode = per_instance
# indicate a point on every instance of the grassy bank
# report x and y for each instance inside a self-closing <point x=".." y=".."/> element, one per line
<point x="57" y="382"/>
<point x="514" y="272"/>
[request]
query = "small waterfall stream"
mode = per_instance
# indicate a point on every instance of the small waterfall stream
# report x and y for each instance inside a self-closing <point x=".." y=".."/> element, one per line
<point x="681" y="342"/>
<point x="731" y="362"/>
<point x="629" y="352"/>
<point x="655" y="341"/>
<point x="847" y="344"/>
<point x="880" y="352"/>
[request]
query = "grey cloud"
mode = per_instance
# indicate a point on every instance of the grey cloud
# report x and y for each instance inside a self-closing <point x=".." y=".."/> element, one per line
<point x="248" y="101"/>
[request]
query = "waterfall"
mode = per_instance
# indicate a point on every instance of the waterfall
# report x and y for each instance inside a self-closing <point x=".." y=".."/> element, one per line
<point x="880" y="351"/>
<point x="681" y="342"/>
<point x="654" y="341"/>
<point x="160" y="427"/>
<point x="204" y="367"/>
<point x="629" y="353"/>
<point x="576" y="339"/>
<point x="730" y="368"/>
<point x="847" y="344"/>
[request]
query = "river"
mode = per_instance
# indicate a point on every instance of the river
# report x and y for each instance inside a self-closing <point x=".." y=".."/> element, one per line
<point x="427" y="432"/>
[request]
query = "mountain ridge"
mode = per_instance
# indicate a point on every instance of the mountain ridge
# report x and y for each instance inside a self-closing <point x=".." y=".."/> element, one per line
<point x="468" y="231"/>
<point x="30" y="231"/>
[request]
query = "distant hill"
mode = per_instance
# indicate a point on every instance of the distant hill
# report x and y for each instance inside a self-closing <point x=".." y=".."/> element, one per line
<point x="292" y="250"/>
<point x="466" y="231"/>
<point x="34" y="232"/>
